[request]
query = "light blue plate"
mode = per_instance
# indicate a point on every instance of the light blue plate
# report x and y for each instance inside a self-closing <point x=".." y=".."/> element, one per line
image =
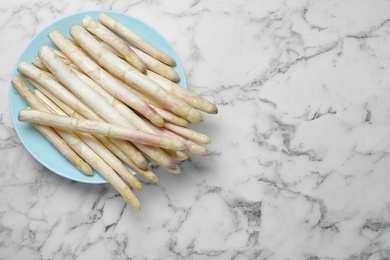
<point x="41" y="149"/>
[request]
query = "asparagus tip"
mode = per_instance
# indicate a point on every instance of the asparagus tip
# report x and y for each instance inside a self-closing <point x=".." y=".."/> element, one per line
<point x="138" y="186"/>
<point x="143" y="165"/>
<point x="214" y="109"/>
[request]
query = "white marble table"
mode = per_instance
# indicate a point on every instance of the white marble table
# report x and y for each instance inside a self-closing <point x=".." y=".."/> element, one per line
<point x="301" y="145"/>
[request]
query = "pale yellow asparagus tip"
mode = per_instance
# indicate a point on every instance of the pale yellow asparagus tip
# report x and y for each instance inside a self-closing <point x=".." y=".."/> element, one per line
<point x="170" y="117"/>
<point x="135" y="204"/>
<point x="174" y="169"/>
<point x="181" y="156"/>
<point x="137" y="186"/>
<point x="177" y="155"/>
<point x="150" y="176"/>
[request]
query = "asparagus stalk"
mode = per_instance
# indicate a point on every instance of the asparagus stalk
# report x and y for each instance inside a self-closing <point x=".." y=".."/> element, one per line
<point x="127" y="73"/>
<point x="192" y="147"/>
<point x="95" y="145"/>
<point x="188" y="96"/>
<point x="135" y="39"/>
<point x="189" y="133"/>
<point x="103" y="78"/>
<point x="170" y="117"/>
<point x="165" y="114"/>
<point x="50" y="133"/>
<point x="114" y="41"/>
<point x="157" y="66"/>
<point x="178" y="155"/>
<point x="58" y="90"/>
<point x="175" y="170"/>
<point x="100" y="128"/>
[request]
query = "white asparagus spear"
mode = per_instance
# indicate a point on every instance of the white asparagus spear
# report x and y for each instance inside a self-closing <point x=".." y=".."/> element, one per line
<point x="188" y="96"/>
<point x="135" y="39"/>
<point x="50" y="133"/>
<point x="167" y="115"/>
<point x="175" y="170"/>
<point x="94" y="101"/>
<point x="95" y="145"/>
<point x="189" y="133"/>
<point x="177" y="155"/>
<point x="157" y="66"/>
<point x="114" y="41"/>
<point x="170" y="117"/>
<point x="99" y="128"/>
<point x="150" y="62"/>
<point x="103" y="78"/>
<point x="68" y="98"/>
<point x="127" y="73"/>
<point x="192" y="147"/>
<point x="147" y="174"/>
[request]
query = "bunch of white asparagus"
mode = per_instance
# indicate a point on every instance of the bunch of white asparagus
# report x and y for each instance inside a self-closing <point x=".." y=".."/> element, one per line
<point x="104" y="102"/>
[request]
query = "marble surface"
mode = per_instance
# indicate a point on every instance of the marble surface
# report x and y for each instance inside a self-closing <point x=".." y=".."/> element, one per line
<point x="301" y="144"/>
